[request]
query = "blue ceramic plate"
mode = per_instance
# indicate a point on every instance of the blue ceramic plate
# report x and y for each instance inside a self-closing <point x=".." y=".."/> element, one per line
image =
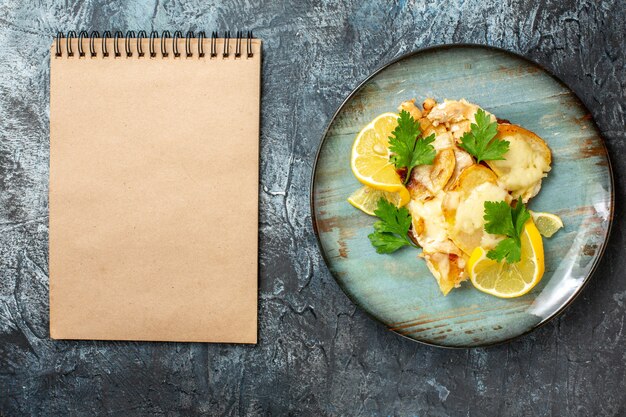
<point x="398" y="289"/>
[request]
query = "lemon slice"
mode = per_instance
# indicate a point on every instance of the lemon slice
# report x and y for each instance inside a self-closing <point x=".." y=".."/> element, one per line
<point x="547" y="223"/>
<point x="366" y="199"/>
<point x="370" y="156"/>
<point x="506" y="280"/>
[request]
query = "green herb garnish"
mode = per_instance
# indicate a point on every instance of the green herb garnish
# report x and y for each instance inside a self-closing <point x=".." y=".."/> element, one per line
<point x="502" y="219"/>
<point x="480" y="142"/>
<point x="408" y="150"/>
<point x="392" y="231"/>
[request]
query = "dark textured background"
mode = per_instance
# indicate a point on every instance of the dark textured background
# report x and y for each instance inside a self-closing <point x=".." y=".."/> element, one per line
<point x="317" y="354"/>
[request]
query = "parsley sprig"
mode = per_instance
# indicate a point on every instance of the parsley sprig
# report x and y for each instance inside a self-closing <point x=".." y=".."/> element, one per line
<point x="392" y="231"/>
<point x="480" y="142"/>
<point x="502" y="219"/>
<point x="408" y="150"/>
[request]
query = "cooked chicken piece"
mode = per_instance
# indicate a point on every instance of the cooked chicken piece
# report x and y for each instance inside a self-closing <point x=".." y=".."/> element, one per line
<point x="463" y="160"/>
<point x="447" y="268"/>
<point x="443" y="140"/>
<point x="452" y="111"/>
<point x="430" y="229"/>
<point x="457" y="130"/>
<point x="428" y="180"/>
<point x="428" y="104"/>
<point x="424" y="123"/>
<point x="455" y="115"/>
<point x="410" y="107"/>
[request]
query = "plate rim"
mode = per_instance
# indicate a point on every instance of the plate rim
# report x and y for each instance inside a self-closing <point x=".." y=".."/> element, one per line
<point x="356" y="89"/>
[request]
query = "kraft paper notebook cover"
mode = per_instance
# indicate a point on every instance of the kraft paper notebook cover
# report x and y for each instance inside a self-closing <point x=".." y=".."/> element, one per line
<point x="154" y="144"/>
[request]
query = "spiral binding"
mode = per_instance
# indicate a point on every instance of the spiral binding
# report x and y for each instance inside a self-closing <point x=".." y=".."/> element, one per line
<point x="154" y="35"/>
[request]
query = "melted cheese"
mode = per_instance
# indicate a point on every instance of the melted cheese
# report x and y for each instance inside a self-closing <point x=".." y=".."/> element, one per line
<point x="451" y="200"/>
<point x="470" y="211"/>
<point x="433" y="235"/>
<point x="435" y="226"/>
<point x="443" y="141"/>
<point x="522" y="168"/>
<point x="489" y="241"/>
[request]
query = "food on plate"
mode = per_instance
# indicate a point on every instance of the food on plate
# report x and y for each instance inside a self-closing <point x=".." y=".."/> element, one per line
<point x="453" y="180"/>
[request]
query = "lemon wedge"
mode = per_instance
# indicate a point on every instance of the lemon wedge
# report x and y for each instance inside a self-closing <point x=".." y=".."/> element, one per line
<point x="506" y="280"/>
<point x="547" y="223"/>
<point x="366" y="199"/>
<point x="370" y="157"/>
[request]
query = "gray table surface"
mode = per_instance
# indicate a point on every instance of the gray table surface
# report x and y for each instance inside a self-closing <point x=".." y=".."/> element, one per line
<point x="317" y="354"/>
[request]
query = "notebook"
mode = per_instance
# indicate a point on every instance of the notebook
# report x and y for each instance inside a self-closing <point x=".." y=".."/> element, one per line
<point x="154" y="161"/>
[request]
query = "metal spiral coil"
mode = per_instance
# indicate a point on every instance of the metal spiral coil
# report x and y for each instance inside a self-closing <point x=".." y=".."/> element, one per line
<point x="201" y="36"/>
<point x="177" y="35"/>
<point x="238" y="44"/>
<point x="116" y="43"/>
<point x="92" y="42"/>
<point x="165" y="36"/>
<point x="83" y="34"/>
<point x="213" y="44"/>
<point x="68" y="42"/>
<point x="129" y="35"/>
<point x="226" y="51"/>
<point x="140" y="36"/>
<point x="105" y="35"/>
<point x="153" y="35"/>
<point x="249" y="52"/>
<point x="188" y="52"/>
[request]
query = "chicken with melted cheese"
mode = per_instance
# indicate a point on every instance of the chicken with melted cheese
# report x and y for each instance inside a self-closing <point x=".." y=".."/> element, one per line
<point x="447" y="197"/>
